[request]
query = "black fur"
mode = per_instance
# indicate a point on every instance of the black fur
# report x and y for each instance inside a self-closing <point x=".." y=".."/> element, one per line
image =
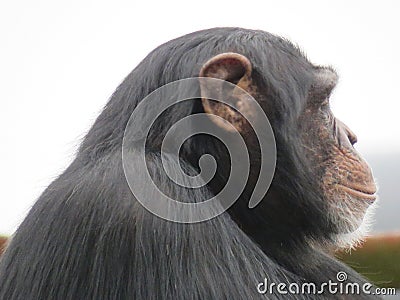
<point x="88" y="238"/>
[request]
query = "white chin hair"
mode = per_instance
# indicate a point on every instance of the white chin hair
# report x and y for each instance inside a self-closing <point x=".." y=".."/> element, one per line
<point x="355" y="238"/>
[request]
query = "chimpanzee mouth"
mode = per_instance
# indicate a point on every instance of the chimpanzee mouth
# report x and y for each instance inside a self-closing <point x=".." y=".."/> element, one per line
<point x="360" y="191"/>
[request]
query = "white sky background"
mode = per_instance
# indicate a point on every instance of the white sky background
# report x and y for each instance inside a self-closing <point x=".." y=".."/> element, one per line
<point x="59" y="63"/>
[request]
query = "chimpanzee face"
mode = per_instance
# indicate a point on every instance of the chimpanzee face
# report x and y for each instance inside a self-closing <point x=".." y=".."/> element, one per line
<point x="345" y="178"/>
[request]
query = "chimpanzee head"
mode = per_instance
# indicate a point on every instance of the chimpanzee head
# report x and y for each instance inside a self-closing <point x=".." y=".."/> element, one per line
<point x="322" y="186"/>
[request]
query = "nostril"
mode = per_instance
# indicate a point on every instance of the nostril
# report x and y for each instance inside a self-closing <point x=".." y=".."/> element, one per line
<point x="352" y="138"/>
<point x="351" y="135"/>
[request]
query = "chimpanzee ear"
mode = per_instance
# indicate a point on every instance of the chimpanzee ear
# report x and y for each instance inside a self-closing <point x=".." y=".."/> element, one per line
<point x="236" y="69"/>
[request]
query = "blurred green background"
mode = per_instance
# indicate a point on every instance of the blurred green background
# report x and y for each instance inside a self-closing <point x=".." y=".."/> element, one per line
<point x="378" y="260"/>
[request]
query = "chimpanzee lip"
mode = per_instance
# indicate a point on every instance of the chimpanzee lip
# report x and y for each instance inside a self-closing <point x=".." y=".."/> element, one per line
<point x="360" y="191"/>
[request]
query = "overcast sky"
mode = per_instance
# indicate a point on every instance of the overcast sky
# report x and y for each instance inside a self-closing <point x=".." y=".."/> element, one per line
<point x="59" y="63"/>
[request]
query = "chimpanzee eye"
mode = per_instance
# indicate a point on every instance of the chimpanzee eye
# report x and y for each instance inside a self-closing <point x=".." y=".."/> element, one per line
<point x="325" y="102"/>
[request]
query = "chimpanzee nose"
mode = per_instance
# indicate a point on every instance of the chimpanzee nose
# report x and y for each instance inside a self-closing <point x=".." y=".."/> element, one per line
<point x="350" y="134"/>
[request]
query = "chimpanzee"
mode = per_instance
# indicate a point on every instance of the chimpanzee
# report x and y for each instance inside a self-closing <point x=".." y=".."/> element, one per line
<point x="88" y="237"/>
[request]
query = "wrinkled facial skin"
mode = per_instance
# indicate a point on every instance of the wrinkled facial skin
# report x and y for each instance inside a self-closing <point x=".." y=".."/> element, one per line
<point x="344" y="177"/>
